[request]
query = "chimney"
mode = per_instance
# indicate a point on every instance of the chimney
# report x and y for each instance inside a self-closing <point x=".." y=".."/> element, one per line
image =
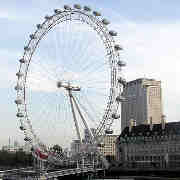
<point x="163" y="121"/>
<point x="131" y="124"/>
<point x="151" y="124"/>
<point x="134" y="122"/>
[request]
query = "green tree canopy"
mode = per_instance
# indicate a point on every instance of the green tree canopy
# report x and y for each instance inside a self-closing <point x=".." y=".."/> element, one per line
<point x="57" y="148"/>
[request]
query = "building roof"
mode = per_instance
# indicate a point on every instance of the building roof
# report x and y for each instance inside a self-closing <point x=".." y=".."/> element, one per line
<point x="140" y="80"/>
<point x="171" y="128"/>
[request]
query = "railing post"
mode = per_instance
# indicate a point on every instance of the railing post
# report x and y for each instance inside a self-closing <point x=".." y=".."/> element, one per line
<point x="83" y="161"/>
<point x="77" y="164"/>
<point x="93" y="162"/>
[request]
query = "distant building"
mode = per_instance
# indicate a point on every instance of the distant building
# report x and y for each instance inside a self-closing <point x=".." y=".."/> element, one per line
<point x="87" y="136"/>
<point x="143" y="102"/>
<point x="154" y="145"/>
<point x="106" y="147"/>
<point x="17" y="147"/>
<point x="12" y="149"/>
<point x="75" y="147"/>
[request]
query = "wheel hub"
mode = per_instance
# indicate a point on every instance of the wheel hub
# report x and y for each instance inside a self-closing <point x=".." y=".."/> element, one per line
<point x="68" y="86"/>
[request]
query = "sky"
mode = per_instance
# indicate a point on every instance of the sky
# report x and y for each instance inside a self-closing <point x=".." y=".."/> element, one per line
<point x="148" y="31"/>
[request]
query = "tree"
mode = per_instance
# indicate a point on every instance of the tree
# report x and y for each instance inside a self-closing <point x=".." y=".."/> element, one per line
<point x="16" y="159"/>
<point x="57" y="148"/>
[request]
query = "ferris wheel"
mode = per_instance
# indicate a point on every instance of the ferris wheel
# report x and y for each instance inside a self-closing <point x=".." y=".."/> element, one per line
<point x="69" y="80"/>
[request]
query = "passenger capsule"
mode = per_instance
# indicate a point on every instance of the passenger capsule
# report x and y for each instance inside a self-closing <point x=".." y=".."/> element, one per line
<point x="22" y="60"/>
<point x="18" y="87"/>
<point x="19" y="74"/>
<point x="59" y="84"/>
<point x="18" y="101"/>
<point x="120" y="98"/>
<point x="117" y="47"/>
<point x="58" y="11"/>
<point x="22" y="128"/>
<point x="105" y="22"/>
<point x="122" y="81"/>
<point x="121" y="63"/>
<point x="66" y="7"/>
<point x="87" y="8"/>
<point x="20" y="115"/>
<point x="115" y="116"/>
<point x="27" y="139"/>
<point x="32" y="36"/>
<point x="48" y="17"/>
<point x="96" y="13"/>
<point x="39" y="26"/>
<point x="76" y="89"/>
<point x="26" y="48"/>
<point x="77" y="6"/>
<point x="108" y="131"/>
<point x="113" y="33"/>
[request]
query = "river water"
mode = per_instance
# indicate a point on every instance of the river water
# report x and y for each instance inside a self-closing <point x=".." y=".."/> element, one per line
<point x="123" y="178"/>
<point x="138" y="178"/>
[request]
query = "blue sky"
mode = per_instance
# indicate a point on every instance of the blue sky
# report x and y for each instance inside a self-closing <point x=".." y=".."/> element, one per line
<point x="148" y="31"/>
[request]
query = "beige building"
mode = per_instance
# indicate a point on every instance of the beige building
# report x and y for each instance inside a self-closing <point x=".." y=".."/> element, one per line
<point x="143" y="102"/>
<point x="151" y="145"/>
<point x="108" y="147"/>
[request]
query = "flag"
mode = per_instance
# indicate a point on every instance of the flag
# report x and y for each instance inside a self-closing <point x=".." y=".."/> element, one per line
<point x="40" y="154"/>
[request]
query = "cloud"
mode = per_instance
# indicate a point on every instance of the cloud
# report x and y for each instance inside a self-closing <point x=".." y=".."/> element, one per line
<point x="151" y="50"/>
<point x="7" y="15"/>
<point x="9" y="67"/>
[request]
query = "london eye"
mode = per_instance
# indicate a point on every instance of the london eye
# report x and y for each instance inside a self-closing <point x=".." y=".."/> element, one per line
<point x="69" y="79"/>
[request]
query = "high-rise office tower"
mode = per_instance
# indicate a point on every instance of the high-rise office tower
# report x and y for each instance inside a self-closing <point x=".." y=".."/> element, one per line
<point x="143" y="103"/>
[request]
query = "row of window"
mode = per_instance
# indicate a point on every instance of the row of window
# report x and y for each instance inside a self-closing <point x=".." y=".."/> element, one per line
<point x="154" y="158"/>
<point x="150" y="138"/>
<point x="154" y="91"/>
<point x="152" y="149"/>
<point x="145" y="158"/>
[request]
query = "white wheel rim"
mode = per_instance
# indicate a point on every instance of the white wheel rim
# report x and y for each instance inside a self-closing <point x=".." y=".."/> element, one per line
<point x="112" y="57"/>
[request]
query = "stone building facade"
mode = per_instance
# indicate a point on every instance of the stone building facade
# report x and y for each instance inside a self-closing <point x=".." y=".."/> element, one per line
<point x="143" y="102"/>
<point x="154" y="145"/>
